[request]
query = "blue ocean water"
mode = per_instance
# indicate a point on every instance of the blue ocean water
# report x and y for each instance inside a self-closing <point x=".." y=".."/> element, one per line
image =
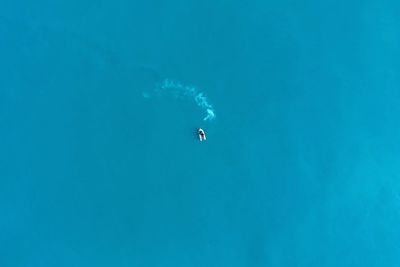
<point x="301" y="162"/>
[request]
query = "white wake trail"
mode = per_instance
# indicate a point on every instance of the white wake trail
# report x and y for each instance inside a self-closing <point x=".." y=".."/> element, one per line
<point x="179" y="90"/>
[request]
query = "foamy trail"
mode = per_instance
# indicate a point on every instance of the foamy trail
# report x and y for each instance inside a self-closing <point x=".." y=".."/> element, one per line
<point x="181" y="91"/>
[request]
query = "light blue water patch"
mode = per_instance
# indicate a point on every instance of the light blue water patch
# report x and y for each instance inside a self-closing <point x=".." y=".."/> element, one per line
<point x="100" y="163"/>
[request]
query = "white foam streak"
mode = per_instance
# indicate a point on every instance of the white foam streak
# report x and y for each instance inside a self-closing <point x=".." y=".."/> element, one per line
<point x="179" y="90"/>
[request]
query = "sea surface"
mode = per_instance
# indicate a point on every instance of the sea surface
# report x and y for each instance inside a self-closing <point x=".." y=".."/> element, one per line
<point x="100" y="163"/>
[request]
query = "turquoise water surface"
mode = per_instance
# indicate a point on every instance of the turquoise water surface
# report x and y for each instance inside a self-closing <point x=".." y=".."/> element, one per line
<point x="100" y="164"/>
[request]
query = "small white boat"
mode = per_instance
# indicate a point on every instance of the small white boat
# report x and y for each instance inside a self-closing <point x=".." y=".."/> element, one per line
<point x="202" y="135"/>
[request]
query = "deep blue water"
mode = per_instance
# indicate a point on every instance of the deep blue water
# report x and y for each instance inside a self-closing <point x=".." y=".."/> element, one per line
<point x="301" y="166"/>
